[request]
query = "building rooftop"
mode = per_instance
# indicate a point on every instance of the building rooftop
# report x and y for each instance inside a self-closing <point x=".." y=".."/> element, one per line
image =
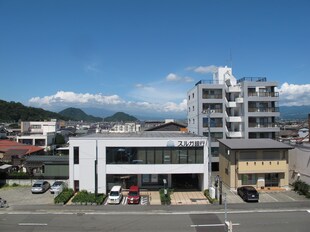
<point x="142" y="135"/>
<point x="245" y="144"/>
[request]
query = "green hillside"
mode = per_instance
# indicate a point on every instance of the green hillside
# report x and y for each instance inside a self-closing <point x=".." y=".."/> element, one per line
<point x="120" y="117"/>
<point x="79" y="115"/>
<point x="15" y="111"/>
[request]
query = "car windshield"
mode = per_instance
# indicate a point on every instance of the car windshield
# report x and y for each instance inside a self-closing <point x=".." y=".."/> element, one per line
<point x="113" y="193"/>
<point x="133" y="194"/>
<point x="57" y="184"/>
<point x="251" y="191"/>
<point x="37" y="185"/>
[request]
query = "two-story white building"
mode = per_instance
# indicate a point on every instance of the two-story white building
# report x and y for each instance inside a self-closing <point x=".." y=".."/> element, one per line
<point x="99" y="161"/>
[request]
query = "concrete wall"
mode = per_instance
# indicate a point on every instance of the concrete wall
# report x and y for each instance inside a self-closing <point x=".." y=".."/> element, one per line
<point x="299" y="163"/>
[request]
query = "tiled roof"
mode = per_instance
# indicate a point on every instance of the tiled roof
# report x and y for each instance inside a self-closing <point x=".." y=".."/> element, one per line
<point x="7" y="145"/>
<point x="242" y="144"/>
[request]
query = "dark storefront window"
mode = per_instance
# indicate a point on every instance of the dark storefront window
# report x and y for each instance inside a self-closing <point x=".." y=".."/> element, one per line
<point x="158" y="155"/>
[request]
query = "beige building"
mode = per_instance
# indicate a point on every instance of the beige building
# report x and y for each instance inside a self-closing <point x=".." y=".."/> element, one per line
<point x="257" y="162"/>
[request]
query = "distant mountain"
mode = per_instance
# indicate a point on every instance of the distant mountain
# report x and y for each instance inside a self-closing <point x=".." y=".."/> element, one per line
<point x="294" y="112"/>
<point x="97" y="112"/>
<point x="79" y="115"/>
<point x="120" y="117"/>
<point x="15" y="111"/>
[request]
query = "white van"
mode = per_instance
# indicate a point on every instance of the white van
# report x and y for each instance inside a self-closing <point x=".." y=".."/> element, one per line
<point x="115" y="195"/>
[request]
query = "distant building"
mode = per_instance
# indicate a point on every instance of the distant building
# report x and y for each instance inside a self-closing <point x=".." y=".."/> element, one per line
<point x="40" y="134"/>
<point x="169" y="126"/>
<point x="127" y="127"/>
<point x="243" y="109"/>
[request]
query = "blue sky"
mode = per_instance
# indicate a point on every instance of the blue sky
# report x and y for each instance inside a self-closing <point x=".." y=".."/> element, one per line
<point x="141" y="57"/>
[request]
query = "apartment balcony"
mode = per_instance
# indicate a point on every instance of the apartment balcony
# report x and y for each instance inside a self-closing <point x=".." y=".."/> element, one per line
<point x="232" y="104"/>
<point x="263" y="94"/>
<point x="234" y="89"/>
<point x="265" y="166"/>
<point x="234" y="119"/>
<point x="239" y="100"/>
<point x="234" y="134"/>
<point x="262" y="125"/>
<point x="264" y="109"/>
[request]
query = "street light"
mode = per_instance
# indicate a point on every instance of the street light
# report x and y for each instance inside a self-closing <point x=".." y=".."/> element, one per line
<point x="208" y="112"/>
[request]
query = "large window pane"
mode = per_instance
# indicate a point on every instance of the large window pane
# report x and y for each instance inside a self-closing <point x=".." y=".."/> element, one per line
<point x="191" y="155"/>
<point x="174" y="156"/>
<point x="167" y="156"/>
<point x="199" y="156"/>
<point x="158" y="155"/>
<point x="150" y="156"/>
<point x="183" y="156"/>
<point x="141" y="156"/>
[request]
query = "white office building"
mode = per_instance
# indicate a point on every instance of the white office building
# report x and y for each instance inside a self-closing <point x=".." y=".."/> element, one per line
<point x="144" y="159"/>
<point x="245" y="108"/>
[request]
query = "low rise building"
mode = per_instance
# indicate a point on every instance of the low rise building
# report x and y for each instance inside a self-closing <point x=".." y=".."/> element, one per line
<point x="257" y="162"/>
<point x="100" y="161"/>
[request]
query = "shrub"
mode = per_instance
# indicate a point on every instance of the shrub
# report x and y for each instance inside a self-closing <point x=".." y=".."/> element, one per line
<point x="301" y="187"/>
<point x="15" y="185"/>
<point x="64" y="196"/>
<point x="86" y="197"/>
<point x="165" y="199"/>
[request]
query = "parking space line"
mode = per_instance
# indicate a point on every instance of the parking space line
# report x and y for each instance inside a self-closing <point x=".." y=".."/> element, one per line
<point x="289" y="197"/>
<point x="271" y="197"/>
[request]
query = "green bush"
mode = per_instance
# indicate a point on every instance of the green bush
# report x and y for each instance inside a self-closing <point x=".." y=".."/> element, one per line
<point x="301" y="187"/>
<point x="64" y="196"/>
<point x="15" y="185"/>
<point x="211" y="200"/>
<point x="165" y="199"/>
<point x="86" y="197"/>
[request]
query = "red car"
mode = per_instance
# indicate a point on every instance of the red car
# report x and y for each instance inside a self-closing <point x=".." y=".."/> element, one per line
<point x="133" y="195"/>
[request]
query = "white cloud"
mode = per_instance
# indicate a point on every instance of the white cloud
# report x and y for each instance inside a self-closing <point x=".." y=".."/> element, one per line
<point x="77" y="98"/>
<point x="204" y="69"/>
<point x="175" y="77"/>
<point x="93" y="67"/>
<point x="294" y="95"/>
<point x="113" y="102"/>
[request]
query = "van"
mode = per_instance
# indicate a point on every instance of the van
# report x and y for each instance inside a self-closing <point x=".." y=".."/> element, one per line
<point x="115" y="195"/>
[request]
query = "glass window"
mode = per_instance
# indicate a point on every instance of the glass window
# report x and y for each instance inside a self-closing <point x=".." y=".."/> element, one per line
<point x="191" y="155"/>
<point x="249" y="179"/>
<point x="174" y="156"/>
<point x="183" y="156"/>
<point x="158" y="155"/>
<point x="167" y="156"/>
<point x="199" y="156"/>
<point x="150" y="156"/>
<point x="76" y="155"/>
<point x="141" y="156"/>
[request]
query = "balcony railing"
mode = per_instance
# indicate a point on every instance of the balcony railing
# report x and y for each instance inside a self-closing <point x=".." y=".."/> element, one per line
<point x="252" y="79"/>
<point x="213" y="110"/>
<point x="264" y="109"/>
<point x="263" y="94"/>
<point x="262" y="125"/>
<point x="212" y="96"/>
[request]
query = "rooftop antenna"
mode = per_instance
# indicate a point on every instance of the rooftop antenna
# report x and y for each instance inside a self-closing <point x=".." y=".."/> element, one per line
<point x="230" y="58"/>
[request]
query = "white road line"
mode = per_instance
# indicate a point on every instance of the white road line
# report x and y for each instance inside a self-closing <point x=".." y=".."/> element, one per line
<point x="213" y="225"/>
<point x="289" y="197"/>
<point x="308" y="211"/>
<point x="271" y="197"/>
<point x="32" y="224"/>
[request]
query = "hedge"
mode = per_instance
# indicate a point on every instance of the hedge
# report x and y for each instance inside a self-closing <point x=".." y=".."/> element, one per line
<point x="64" y="196"/>
<point x="211" y="200"/>
<point x="86" y="198"/>
<point x="302" y="188"/>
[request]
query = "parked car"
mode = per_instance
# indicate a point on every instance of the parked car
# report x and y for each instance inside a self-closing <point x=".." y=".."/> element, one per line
<point x="40" y="186"/>
<point x="133" y="195"/>
<point x="248" y="193"/>
<point x="57" y="186"/>
<point x="115" y="195"/>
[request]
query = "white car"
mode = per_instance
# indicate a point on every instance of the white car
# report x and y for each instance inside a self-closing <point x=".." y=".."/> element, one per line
<point x="58" y="186"/>
<point x="40" y="186"/>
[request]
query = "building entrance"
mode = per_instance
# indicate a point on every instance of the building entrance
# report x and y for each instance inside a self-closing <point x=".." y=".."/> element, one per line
<point x="185" y="182"/>
<point x="271" y="180"/>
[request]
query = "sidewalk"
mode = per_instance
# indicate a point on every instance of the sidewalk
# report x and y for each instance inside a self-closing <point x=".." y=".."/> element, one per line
<point x="153" y="197"/>
<point x="189" y="198"/>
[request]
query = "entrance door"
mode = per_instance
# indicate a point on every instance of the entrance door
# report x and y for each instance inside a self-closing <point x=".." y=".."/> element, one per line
<point x="272" y="179"/>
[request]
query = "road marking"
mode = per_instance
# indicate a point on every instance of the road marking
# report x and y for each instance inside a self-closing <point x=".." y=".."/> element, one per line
<point x="308" y="211"/>
<point x="289" y="197"/>
<point x="214" y="225"/>
<point x="271" y="197"/>
<point x="32" y="224"/>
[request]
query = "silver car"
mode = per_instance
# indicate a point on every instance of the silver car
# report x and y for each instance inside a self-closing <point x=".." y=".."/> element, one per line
<point x="58" y="186"/>
<point x="40" y="186"/>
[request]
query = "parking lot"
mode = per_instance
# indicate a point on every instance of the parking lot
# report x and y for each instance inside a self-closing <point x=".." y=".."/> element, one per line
<point x="265" y="197"/>
<point x="23" y="196"/>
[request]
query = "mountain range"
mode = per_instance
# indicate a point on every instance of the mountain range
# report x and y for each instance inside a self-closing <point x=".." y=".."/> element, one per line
<point x="15" y="111"/>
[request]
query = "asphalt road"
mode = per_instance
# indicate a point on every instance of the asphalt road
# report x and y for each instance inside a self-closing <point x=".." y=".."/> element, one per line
<point x="246" y="221"/>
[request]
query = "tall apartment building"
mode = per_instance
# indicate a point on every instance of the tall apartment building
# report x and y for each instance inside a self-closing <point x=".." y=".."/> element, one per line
<point x="245" y="108"/>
